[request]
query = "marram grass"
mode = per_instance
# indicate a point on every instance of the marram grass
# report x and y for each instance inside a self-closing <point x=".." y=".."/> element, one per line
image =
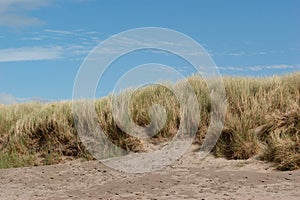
<point x="262" y="119"/>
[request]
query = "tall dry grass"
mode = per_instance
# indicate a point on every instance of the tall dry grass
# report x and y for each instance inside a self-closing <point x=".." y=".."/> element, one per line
<point x="263" y="118"/>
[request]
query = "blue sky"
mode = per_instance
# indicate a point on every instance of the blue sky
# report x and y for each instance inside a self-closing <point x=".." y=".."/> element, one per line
<point x="44" y="42"/>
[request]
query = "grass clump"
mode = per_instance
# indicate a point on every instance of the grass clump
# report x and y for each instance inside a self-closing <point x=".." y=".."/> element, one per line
<point x="282" y="140"/>
<point x="43" y="133"/>
<point x="263" y="118"/>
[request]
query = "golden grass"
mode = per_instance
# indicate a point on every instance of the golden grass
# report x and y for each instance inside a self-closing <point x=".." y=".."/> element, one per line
<point x="263" y="118"/>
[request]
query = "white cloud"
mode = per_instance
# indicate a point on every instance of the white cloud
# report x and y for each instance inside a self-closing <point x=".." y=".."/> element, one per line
<point x="77" y="50"/>
<point x="30" y="53"/>
<point x="262" y="53"/>
<point x="281" y="66"/>
<point x="13" y="20"/>
<point x="33" y="38"/>
<point x="11" y="5"/>
<point x="7" y="99"/>
<point x="253" y="53"/>
<point x="13" y="12"/>
<point x="61" y="32"/>
<point x="69" y="44"/>
<point x="227" y="53"/>
<point x="232" y="68"/>
<point x="259" y="67"/>
<point x="256" y="68"/>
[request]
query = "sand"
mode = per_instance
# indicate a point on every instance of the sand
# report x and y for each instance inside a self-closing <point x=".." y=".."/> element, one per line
<point x="187" y="178"/>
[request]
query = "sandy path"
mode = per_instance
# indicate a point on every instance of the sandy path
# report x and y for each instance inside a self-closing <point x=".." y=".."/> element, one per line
<point x="188" y="178"/>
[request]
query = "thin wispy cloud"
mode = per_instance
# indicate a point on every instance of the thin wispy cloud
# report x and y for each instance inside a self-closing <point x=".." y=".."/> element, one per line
<point x="30" y="54"/>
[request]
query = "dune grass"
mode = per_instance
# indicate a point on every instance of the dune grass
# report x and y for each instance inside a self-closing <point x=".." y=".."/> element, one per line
<point x="262" y="119"/>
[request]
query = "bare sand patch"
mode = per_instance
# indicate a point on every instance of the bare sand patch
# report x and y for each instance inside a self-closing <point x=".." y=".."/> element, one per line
<point x="187" y="178"/>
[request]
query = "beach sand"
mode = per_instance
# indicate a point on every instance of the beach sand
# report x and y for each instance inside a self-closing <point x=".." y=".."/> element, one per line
<point x="188" y="178"/>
